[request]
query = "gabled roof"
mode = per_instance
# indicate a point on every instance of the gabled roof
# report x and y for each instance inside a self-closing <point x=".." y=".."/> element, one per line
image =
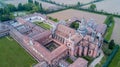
<point x="101" y="28"/>
<point x="80" y="62"/>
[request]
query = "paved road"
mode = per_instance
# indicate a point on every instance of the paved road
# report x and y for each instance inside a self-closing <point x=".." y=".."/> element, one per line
<point x="97" y="60"/>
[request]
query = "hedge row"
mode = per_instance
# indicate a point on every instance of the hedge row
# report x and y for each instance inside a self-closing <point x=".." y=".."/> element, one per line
<point x="97" y="12"/>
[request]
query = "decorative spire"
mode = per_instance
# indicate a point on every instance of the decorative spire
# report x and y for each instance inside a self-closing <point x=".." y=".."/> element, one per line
<point x="70" y="36"/>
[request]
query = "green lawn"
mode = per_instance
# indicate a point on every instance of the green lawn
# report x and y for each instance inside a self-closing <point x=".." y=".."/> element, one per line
<point x="109" y="31"/>
<point x="89" y="59"/>
<point x="13" y="55"/>
<point x="116" y="60"/>
<point x="69" y="60"/>
<point x="43" y="25"/>
<point x="53" y="19"/>
<point x="110" y="23"/>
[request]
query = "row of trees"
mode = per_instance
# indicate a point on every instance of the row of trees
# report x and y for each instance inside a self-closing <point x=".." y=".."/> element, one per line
<point x="6" y="12"/>
<point x="110" y="24"/>
<point x="92" y="7"/>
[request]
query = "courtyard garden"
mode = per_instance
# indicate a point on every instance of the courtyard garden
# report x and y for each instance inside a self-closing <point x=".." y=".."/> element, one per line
<point x="89" y="59"/>
<point x="13" y="55"/>
<point x="69" y="60"/>
<point x="53" y="19"/>
<point x="51" y="46"/>
<point x="43" y="25"/>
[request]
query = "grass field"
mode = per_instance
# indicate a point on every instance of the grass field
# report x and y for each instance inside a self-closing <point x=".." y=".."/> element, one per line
<point x="43" y="25"/>
<point x="116" y="60"/>
<point x="13" y="55"/>
<point x="109" y="32"/>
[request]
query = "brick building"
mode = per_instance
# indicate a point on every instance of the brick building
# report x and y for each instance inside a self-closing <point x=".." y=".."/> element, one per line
<point x="52" y="46"/>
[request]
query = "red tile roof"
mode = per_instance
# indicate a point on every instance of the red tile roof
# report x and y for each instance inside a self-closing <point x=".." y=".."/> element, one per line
<point x="80" y="62"/>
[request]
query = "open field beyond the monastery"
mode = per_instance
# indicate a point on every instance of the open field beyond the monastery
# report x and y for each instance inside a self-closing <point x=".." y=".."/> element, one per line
<point x="110" y="6"/>
<point x="13" y="55"/>
<point x="15" y="2"/>
<point x="70" y="13"/>
<point x="116" y="31"/>
<point x="71" y="1"/>
<point x="46" y="5"/>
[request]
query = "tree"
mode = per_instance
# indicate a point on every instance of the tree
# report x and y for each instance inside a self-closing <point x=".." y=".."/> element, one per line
<point x="109" y="20"/>
<point x="6" y="11"/>
<point x="78" y="4"/>
<point x="1" y="11"/>
<point x="28" y="6"/>
<point x="30" y="1"/>
<point x="35" y="9"/>
<point x="92" y="7"/>
<point x="74" y="25"/>
<point x="10" y="7"/>
<point x="6" y="17"/>
<point x="40" y="8"/>
<point x="20" y="7"/>
<point x="111" y="44"/>
<point x="107" y="52"/>
<point x="36" y="3"/>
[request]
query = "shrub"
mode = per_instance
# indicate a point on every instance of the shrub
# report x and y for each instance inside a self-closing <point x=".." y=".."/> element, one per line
<point x="111" y="44"/>
<point x="74" y="25"/>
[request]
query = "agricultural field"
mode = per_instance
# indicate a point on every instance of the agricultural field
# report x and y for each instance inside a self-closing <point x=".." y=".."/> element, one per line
<point x="45" y="5"/>
<point x="13" y="55"/>
<point x="71" y="2"/>
<point x="15" y="2"/>
<point x="110" y="6"/>
<point x="116" y="31"/>
<point x="48" y="6"/>
<point x="70" y="13"/>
